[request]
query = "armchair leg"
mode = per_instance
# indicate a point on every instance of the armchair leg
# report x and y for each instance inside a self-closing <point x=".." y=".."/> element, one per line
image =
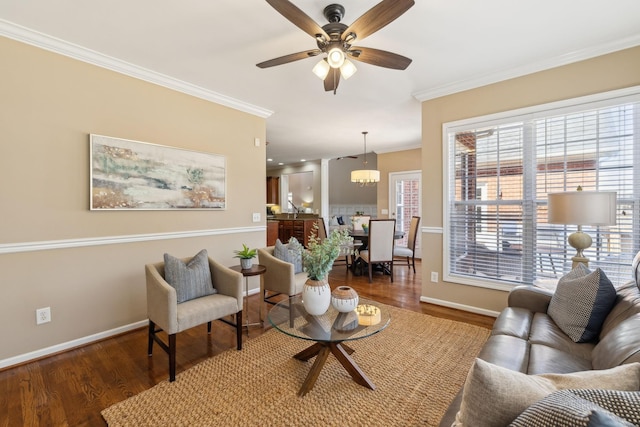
<point x="209" y="327"/>
<point x="152" y="327"/>
<point x="239" y="330"/>
<point x="172" y="357"/>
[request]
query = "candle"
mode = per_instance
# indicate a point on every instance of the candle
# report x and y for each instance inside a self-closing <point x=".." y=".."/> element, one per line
<point x="368" y="314"/>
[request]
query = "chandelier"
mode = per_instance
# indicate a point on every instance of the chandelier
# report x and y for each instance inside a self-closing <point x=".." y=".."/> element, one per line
<point x="365" y="177"/>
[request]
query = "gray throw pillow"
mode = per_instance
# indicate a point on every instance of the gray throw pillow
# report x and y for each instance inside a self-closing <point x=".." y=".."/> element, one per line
<point x="495" y="396"/>
<point x="191" y="279"/>
<point x="581" y="302"/>
<point x="291" y="253"/>
<point x="565" y="408"/>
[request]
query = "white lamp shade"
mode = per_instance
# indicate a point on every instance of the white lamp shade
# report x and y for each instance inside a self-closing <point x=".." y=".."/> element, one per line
<point x="347" y="69"/>
<point x="335" y="57"/>
<point x="321" y="69"/>
<point x="582" y="208"/>
<point x="365" y="175"/>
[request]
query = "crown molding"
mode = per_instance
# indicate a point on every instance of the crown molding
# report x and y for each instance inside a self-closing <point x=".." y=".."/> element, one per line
<point x="59" y="46"/>
<point x="487" y="79"/>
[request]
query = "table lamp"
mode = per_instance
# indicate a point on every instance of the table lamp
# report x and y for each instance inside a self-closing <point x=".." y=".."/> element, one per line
<point x="582" y="208"/>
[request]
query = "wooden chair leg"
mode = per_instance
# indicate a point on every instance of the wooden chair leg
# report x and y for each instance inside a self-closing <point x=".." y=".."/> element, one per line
<point x="209" y="327"/>
<point x="391" y="270"/>
<point x="370" y="265"/>
<point x="413" y="262"/>
<point x="239" y="330"/>
<point x="172" y="357"/>
<point x="152" y="328"/>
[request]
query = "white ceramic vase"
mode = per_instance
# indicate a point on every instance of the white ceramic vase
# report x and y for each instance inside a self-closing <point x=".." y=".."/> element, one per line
<point x="316" y="296"/>
<point x="344" y="299"/>
<point x="246" y="263"/>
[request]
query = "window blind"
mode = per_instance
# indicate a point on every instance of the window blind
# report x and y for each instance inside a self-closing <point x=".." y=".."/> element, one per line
<point x="500" y="170"/>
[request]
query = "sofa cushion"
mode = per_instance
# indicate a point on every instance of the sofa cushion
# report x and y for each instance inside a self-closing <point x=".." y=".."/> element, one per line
<point x="620" y="345"/>
<point x="496" y="396"/>
<point x="291" y="253"/>
<point x="191" y="279"/>
<point x="635" y="266"/>
<point x="578" y="408"/>
<point x="582" y="301"/>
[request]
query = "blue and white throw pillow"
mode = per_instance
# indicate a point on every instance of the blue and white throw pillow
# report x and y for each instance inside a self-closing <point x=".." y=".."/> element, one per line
<point x="585" y="407"/>
<point x="291" y="253"/>
<point x="190" y="279"/>
<point x="582" y="301"/>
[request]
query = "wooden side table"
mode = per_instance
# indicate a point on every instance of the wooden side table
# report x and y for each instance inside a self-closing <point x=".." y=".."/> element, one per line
<point x="255" y="270"/>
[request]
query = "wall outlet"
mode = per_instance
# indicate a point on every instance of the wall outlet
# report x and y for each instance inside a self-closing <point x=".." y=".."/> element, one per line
<point x="43" y="315"/>
<point x="434" y="276"/>
<point x="256" y="217"/>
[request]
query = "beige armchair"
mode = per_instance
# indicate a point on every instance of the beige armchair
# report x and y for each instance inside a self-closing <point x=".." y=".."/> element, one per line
<point x="165" y="314"/>
<point x="279" y="279"/>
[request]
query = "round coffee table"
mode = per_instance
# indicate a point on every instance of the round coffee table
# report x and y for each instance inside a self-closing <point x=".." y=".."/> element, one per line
<point x="329" y="331"/>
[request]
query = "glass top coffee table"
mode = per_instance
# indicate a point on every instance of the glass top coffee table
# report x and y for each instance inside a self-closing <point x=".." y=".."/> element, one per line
<point x="329" y="333"/>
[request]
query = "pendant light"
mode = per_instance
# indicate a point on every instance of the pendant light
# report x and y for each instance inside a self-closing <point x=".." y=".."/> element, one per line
<point x="365" y="177"/>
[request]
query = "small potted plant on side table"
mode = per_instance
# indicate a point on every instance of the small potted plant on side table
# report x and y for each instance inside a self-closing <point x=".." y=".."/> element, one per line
<point x="246" y="256"/>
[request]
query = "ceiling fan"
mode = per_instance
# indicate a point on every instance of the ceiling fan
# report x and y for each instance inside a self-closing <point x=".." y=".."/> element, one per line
<point x="336" y="39"/>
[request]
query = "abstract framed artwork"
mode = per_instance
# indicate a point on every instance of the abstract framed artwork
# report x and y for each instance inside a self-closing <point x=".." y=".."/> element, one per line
<point x="137" y="175"/>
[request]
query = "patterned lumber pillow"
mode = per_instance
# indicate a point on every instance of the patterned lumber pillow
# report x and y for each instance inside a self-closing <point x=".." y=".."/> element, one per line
<point x="495" y="396"/>
<point x="291" y="253"/>
<point x="581" y="303"/>
<point x="191" y="279"/>
<point x="583" y="407"/>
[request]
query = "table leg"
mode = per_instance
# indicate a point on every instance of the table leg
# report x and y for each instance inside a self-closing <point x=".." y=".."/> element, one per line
<point x="342" y="353"/>
<point x="246" y="306"/>
<point x="350" y="365"/>
<point x="314" y="373"/>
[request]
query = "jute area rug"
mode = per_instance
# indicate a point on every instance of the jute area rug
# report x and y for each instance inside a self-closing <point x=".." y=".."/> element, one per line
<point x="418" y="364"/>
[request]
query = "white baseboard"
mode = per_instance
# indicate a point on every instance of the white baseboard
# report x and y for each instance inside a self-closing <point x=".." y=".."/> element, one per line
<point x="462" y="307"/>
<point x="37" y="354"/>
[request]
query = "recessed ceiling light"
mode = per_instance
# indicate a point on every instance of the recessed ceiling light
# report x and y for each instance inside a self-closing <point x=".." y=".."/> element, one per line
<point x="269" y="160"/>
<point x="280" y="164"/>
<point x="303" y="160"/>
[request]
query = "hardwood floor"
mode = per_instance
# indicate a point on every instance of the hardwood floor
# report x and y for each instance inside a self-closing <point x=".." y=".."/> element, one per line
<point x="71" y="388"/>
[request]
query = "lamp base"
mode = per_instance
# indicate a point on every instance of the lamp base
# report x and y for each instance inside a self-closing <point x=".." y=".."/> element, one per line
<point x="579" y="260"/>
<point x="580" y="241"/>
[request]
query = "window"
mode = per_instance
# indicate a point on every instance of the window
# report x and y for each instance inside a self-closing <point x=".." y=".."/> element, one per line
<point x="499" y="170"/>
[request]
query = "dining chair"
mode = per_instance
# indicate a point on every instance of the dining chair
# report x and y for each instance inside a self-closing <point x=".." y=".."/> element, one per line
<point x="409" y="251"/>
<point x="380" y="248"/>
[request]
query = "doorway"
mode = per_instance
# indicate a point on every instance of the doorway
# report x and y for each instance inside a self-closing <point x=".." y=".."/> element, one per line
<point x="405" y="201"/>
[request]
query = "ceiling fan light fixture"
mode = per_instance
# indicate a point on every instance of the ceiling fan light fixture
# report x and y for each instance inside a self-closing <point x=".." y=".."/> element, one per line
<point x="335" y="57"/>
<point x="321" y="69"/>
<point x="347" y="69"/>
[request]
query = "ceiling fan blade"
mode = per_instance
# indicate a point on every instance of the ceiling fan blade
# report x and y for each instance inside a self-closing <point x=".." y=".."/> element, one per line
<point x="377" y="17"/>
<point x="289" y="58"/>
<point x="298" y="17"/>
<point x="332" y="80"/>
<point x="378" y="57"/>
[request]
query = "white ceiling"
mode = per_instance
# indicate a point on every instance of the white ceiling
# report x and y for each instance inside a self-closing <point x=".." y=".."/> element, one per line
<point x="210" y="48"/>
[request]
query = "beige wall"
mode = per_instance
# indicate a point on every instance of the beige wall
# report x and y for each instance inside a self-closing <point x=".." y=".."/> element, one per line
<point x="49" y="104"/>
<point x="398" y="161"/>
<point x="614" y="71"/>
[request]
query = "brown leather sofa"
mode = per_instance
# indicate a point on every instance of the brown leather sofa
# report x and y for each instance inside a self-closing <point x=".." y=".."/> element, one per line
<point x="525" y="339"/>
